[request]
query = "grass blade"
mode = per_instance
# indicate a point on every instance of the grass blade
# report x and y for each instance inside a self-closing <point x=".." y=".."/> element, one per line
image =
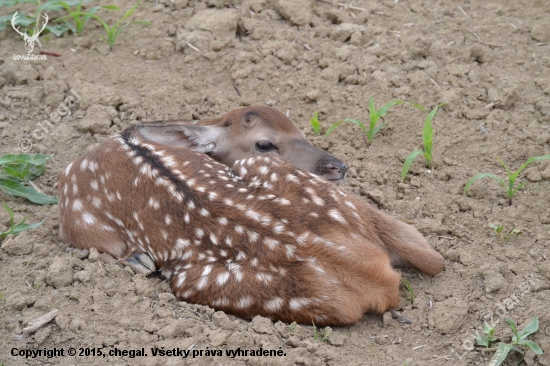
<point x="382" y="111"/>
<point x="480" y="176"/>
<point x="408" y="162"/>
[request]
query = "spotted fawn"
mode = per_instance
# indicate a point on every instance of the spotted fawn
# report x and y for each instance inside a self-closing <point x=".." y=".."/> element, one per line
<point x="241" y="214"/>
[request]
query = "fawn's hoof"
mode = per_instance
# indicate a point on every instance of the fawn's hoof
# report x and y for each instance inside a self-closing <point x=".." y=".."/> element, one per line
<point x="142" y="263"/>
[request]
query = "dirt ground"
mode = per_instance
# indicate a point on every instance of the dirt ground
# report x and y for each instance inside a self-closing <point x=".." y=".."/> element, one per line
<point x="489" y="60"/>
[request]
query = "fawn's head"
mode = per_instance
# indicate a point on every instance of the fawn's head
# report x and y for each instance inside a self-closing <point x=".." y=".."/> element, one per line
<point x="246" y="132"/>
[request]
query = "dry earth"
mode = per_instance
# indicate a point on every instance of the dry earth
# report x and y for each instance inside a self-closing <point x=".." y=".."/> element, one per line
<point x="489" y="60"/>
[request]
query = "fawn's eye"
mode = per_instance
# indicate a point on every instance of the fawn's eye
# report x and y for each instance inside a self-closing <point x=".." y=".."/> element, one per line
<point x="265" y="146"/>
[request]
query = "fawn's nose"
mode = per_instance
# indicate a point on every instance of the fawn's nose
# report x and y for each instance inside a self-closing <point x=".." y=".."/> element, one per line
<point x="337" y="169"/>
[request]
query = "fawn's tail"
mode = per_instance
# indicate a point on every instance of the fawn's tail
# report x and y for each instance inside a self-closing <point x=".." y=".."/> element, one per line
<point x="405" y="245"/>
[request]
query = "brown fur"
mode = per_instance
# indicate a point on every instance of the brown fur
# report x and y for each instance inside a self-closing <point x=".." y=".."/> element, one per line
<point x="300" y="248"/>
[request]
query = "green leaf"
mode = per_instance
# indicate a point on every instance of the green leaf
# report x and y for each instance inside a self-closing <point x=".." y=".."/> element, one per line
<point x="19" y="190"/>
<point x="480" y="176"/>
<point x="35" y="159"/>
<point x="530" y="328"/>
<point x="416" y="105"/>
<point x="378" y="128"/>
<point x="428" y="133"/>
<point x="22" y="226"/>
<point x="534" y="347"/>
<point x="482" y="340"/>
<point x="382" y="111"/>
<point x="408" y="162"/>
<point x="314" y="121"/>
<point x="111" y="7"/>
<point x="500" y="354"/>
<point x="349" y="120"/>
<point x="373" y="113"/>
<point x="513" y="325"/>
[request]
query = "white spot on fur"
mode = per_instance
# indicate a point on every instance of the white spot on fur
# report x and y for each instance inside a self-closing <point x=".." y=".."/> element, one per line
<point x="77" y="205"/>
<point x="182" y="243"/>
<point x="271" y="243"/>
<point x="298" y="302"/>
<point x="68" y="169"/>
<point x="336" y="215"/>
<point x="222" y="278"/>
<point x="88" y="218"/>
<point x="244" y="303"/>
<point x="274" y="304"/>
<point x="222" y="221"/>
<point x="167" y="220"/>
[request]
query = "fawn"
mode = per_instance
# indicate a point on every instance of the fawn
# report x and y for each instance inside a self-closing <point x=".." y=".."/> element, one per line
<point x="260" y="234"/>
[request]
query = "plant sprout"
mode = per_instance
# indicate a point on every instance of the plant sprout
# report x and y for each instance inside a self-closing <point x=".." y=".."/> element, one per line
<point x="510" y="186"/>
<point x="80" y="19"/>
<point x="427" y="139"/>
<point x="374" y="126"/>
<point x="314" y="121"/>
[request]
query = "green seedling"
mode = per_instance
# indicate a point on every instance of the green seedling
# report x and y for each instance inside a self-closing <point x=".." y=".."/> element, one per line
<point x="314" y="121"/>
<point x="374" y="127"/>
<point x="17" y="171"/>
<point x="114" y="31"/>
<point x="485" y="339"/>
<point x="409" y="289"/>
<point x="319" y="335"/>
<point x="498" y="231"/>
<point x="80" y="19"/>
<point x="510" y="188"/>
<point x="427" y="138"/>
<point x="292" y="326"/>
<point x="519" y="339"/>
<point x="32" y="20"/>
<point x="22" y="226"/>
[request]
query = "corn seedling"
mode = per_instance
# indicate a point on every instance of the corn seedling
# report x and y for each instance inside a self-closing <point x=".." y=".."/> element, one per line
<point x="498" y="231"/>
<point x="427" y="139"/>
<point x="486" y="338"/>
<point x="114" y="31"/>
<point x="319" y="335"/>
<point x="292" y="326"/>
<point x="510" y="188"/>
<point x="17" y="171"/>
<point x="33" y="19"/>
<point x="314" y="121"/>
<point x="409" y="289"/>
<point x="374" y="127"/>
<point x="22" y="226"/>
<point x="80" y="19"/>
<point x="519" y="339"/>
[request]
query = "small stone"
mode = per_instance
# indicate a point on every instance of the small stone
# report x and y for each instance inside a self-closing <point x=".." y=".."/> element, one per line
<point x="337" y="339"/>
<point x="19" y="301"/>
<point x="534" y="176"/>
<point x="313" y="95"/>
<point x="223" y="321"/>
<point x="493" y="281"/>
<point x="387" y="319"/>
<point x="271" y="103"/>
<point x="94" y="255"/>
<point x="298" y="12"/>
<point x="449" y="315"/>
<point x="166" y="297"/>
<point x="60" y="272"/>
<point x="219" y="337"/>
<point x="22" y="244"/>
<point x="172" y="330"/>
<point x="98" y="119"/>
<point x="262" y="325"/>
<point x="82" y="276"/>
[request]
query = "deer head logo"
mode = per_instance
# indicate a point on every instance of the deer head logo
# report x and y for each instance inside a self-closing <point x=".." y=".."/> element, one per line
<point x="29" y="40"/>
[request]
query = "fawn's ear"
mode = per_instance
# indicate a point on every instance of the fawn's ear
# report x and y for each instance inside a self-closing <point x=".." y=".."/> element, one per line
<point x="204" y="139"/>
